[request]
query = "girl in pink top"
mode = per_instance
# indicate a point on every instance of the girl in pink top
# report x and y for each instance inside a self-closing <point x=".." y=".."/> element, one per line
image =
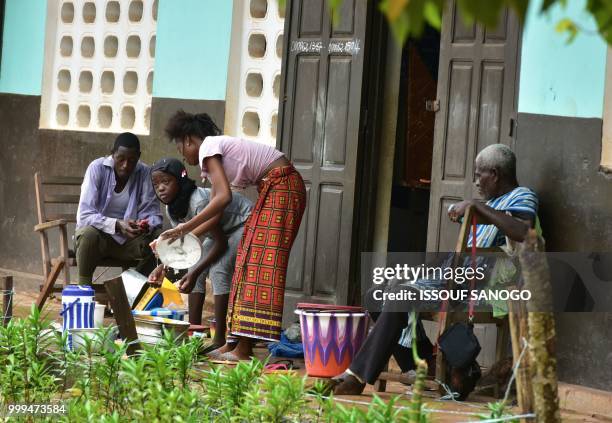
<point x="258" y="285"/>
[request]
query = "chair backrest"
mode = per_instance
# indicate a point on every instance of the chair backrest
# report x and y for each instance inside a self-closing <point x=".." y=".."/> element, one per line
<point x="59" y="195"/>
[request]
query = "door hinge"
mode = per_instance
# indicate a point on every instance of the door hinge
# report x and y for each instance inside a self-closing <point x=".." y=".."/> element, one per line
<point x="432" y="105"/>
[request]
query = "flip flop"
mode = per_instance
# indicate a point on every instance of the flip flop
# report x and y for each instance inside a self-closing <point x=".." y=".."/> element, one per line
<point x="276" y="367"/>
<point x="289" y="364"/>
<point x="213" y="354"/>
<point x="230" y="356"/>
<point x="207" y="348"/>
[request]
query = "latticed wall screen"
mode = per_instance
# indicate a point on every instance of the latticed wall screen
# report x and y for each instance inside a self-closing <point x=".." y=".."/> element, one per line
<point x="254" y="73"/>
<point x="101" y="75"/>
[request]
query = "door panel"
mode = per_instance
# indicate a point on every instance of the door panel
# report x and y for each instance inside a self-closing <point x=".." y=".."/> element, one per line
<point x="305" y="109"/>
<point x="328" y="240"/>
<point x="477" y="91"/>
<point x="458" y="121"/>
<point x="297" y="258"/>
<point x="320" y="117"/>
<point x="311" y="17"/>
<point x="336" y="118"/>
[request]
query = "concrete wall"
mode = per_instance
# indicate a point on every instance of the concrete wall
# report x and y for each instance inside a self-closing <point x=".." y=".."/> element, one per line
<point x="559" y="158"/>
<point x="558" y="147"/>
<point x="23" y="46"/>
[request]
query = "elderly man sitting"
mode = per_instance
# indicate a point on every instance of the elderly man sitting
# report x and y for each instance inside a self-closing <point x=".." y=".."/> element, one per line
<point x="510" y="210"/>
<point x="118" y="213"/>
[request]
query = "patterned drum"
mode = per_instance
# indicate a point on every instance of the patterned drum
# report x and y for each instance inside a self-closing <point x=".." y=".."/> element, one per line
<point x="331" y="340"/>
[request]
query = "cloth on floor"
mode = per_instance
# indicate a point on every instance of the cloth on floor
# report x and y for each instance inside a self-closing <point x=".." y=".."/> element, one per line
<point x="294" y="333"/>
<point x="286" y="348"/>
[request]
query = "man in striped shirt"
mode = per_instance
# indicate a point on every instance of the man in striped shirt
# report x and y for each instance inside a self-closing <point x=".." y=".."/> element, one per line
<point x="509" y="211"/>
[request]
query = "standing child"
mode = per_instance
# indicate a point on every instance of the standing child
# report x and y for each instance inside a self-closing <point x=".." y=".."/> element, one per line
<point x="258" y="287"/>
<point x="183" y="201"/>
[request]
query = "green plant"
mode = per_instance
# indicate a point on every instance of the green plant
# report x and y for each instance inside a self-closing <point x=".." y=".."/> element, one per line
<point x="99" y="383"/>
<point x="27" y="372"/>
<point x="274" y="398"/>
<point x="497" y="410"/>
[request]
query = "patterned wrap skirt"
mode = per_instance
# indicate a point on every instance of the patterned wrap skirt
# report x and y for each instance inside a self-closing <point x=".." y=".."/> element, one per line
<point x="258" y="286"/>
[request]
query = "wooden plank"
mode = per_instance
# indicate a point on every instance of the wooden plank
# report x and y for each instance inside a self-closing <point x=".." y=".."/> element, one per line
<point x="64" y="252"/>
<point x="49" y="283"/>
<point x="6" y="287"/>
<point x="68" y="217"/>
<point x="40" y="210"/>
<point x="49" y="225"/>
<point x="62" y="199"/>
<point x="123" y="313"/>
<point x="62" y="180"/>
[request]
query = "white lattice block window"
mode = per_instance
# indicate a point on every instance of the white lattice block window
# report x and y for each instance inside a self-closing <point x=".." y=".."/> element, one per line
<point x="254" y="73"/>
<point x="99" y="58"/>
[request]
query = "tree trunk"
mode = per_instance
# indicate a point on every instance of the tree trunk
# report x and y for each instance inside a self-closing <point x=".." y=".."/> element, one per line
<point x="541" y="329"/>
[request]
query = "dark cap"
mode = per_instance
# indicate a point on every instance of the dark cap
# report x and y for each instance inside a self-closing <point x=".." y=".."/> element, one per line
<point x="170" y="165"/>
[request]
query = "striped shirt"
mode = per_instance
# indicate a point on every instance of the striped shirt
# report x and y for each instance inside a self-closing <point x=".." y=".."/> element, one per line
<point x="520" y="202"/>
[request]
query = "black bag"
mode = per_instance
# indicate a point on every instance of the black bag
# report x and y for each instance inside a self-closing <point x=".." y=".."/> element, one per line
<point x="459" y="345"/>
<point x="463" y="380"/>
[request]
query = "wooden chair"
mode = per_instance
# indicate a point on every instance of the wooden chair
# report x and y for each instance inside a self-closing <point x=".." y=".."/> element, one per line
<point x="448" y="318"/>
<point x="60" y="194"/>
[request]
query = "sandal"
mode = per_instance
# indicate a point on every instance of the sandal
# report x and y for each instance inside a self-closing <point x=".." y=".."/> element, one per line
<point x="231" y="357"/>
<point x="274" y="367"/>
<point x="347" y="384"/>
<point x="287" y="363"/>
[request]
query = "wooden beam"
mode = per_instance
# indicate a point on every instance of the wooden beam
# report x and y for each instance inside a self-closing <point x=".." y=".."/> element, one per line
<point x="6" y="286"/>
<point x="62" y="180"/>
<point x="50" y="282"/>
<point x="49" y="225"/>
<point x="123" y="313"/>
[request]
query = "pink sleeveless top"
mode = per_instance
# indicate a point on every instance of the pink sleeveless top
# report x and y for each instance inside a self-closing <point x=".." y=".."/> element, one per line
<point x="244" y="161"/>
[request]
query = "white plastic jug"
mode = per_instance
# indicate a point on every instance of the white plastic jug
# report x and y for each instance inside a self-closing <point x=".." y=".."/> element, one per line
<point x="99" y="315"/>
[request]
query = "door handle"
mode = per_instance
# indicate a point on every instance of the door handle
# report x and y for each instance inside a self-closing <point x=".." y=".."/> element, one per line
<point x="432" y="105"/>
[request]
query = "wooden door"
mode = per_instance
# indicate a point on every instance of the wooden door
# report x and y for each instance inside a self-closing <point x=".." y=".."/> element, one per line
<point x="320" y="128"/>
<point x="477" y="82"/>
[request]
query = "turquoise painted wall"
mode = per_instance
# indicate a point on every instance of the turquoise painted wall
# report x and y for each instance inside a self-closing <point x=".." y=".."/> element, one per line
<point x="192" y="52"/>
<point x="23" y="47"/>
<point x="558" y="78"/>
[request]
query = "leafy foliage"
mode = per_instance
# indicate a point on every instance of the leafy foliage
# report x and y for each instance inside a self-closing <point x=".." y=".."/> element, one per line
<point x="407" y="18"/>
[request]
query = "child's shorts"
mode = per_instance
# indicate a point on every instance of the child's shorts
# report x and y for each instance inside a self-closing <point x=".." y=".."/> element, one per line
<point x="220" y="272"/>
